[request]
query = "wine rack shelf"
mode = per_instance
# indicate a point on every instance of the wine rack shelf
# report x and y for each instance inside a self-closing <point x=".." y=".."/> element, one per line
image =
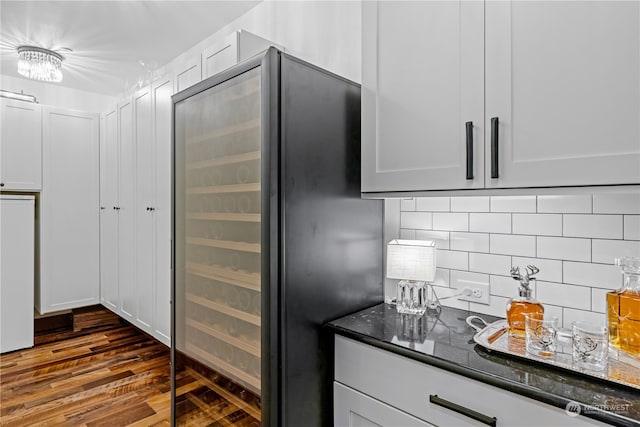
<point x="226" y="131"/>
<point x="225" y="244"/>
<point x="236" y="342"/>
<point x="209" y="414"/>
<point x="233" y="188"/>
<point x="221" y="308"/>
<point x="225" y="367"/>
<point x="227" y="160"/>
<point x="234" y="217"/>
<point x="227" y="275"/>
<point x="254" y="412"/>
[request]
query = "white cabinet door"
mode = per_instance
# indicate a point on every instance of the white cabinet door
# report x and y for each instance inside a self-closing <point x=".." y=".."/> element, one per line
<point x="162" y="108"/>
<point x="20" y="146"/>
<point x="17" y="222"/>
<point x="109" y="295"/>
<point x="188" y="71"/>
<point x="422" y="81"/>
<point x="354" y="409"/>
<point x="126" y="211"/>
<point x="220" y="56"/>
<point x="563" y="78"/>
<point x="69" y="211"/>
<point x="144" y="241"/>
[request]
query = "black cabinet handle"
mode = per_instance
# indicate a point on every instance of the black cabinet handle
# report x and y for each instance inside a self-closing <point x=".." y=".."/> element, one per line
<point x="494" y="147"/>
<point x="469" y="127"/>
<point x="1" y="184"/>
<point x="490" y="421"/>
<point x="102" y="208"/>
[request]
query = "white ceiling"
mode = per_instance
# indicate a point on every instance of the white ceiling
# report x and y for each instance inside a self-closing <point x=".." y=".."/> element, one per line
<point x="109" y="38"/>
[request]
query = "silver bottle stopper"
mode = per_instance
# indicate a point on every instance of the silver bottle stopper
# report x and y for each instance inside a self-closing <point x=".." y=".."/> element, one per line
<point x="524" y="279"/>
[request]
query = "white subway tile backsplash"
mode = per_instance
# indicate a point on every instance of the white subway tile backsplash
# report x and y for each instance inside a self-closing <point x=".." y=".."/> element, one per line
<point x="407" y="234"/>
<point x="497" y="307"/>
<point x="572" y="239"/>
<point x="503" y="286"/>
<point x="471" y="242"/>
<point x="441" y="238"/>
<point x="621" y="203"/>
<point x="470" y="204"/>
<point x="513" y="204"/>
<point x="606" y="251"/>
<point x="537" y="224"/>
<point x="566" y="295"/>
<point x="599" y="300"/>
<point x="490" y="222"/>
<point x="452" y="259"/>
<point x="418" y="220"/>
<point x="433" y="204"/>
<point x="571" y="315"/>
<point x="451" y="221"/>
<point x="491" y="264"/>
<point x="408" y="205"/>
<point x="592" y="226"/>
<point x="564" y="248"/>
<point x="507" y="244"/>
<point x="442" y="277"/>
<point x="565" y="204"/>
<point x="594" y="275"/>
<point x="632" y="227"/>
<point x="550" y="270"/>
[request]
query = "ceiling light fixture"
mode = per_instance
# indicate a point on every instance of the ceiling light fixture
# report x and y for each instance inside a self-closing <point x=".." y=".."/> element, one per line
<point x="40" y="64"/>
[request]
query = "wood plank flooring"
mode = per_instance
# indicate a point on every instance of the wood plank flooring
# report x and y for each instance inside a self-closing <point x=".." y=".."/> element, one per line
<point x="111" y="376"/>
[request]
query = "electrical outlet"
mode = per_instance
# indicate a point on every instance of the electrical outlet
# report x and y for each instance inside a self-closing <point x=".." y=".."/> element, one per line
<point x="473" y="291"/>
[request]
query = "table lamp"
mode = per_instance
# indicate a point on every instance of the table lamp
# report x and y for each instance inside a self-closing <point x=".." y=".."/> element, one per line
<point x="414" y="263"/>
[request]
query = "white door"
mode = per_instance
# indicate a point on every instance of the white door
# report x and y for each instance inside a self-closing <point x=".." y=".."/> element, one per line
<point x="563" y="79"/>
<point x="188" y="72"/>
<point x="17" y="222"/>
<point x="69" y="211"/>
<point x="422" y="81"/>
<point x="220" y="56"/>
<point x="109" y="294"/>
<point x="126" y="211"/>
<point x="20" y="146"/>
<point x="162" y="108"/>
<point x="144" y="244"/>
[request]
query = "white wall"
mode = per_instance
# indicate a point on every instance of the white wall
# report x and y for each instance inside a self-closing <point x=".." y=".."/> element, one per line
<point x="324" y="33"/>
<point x="573" y="239"/>
<point x="58" y="96"/>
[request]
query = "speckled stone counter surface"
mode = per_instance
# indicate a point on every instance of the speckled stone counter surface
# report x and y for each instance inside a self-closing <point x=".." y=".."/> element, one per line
<point x="446" y="341"/>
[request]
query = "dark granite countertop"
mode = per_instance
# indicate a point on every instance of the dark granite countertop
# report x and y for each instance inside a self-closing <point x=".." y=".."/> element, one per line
<point x="446" y="341"/>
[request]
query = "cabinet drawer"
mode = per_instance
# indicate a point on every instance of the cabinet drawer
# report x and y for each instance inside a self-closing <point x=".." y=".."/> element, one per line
<point x="407" y="385"/>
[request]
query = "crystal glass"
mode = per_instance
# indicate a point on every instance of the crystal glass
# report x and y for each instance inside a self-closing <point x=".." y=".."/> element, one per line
<point x="590" y="345"/>
<point x="541" y="335"/>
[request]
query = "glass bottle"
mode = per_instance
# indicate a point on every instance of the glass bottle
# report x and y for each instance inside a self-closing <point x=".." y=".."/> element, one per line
<point x="523" y="304"/>
<point x="623" y="308"/>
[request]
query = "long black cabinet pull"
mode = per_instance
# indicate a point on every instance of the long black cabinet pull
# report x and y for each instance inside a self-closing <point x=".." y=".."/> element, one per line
<point x="469" y="126"/>
<point x="494" y="147"/>
<point x="484" y="419"/>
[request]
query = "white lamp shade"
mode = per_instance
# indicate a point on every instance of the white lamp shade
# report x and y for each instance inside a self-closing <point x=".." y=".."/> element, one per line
<point x="411" y="260"/>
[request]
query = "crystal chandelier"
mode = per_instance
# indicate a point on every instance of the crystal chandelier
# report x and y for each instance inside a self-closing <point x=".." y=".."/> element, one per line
<point x="40" y="64"/>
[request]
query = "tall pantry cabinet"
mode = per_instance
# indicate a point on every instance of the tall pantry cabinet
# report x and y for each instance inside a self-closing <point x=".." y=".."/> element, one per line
<point x="135" y="207"/>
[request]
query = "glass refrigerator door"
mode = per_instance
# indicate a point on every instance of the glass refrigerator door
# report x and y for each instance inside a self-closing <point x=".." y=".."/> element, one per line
<point x="218" y="254"/>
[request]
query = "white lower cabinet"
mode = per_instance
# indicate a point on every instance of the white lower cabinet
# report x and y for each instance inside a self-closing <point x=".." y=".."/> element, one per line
<point x="374" y="387"/>
<point x="69" y="220"/>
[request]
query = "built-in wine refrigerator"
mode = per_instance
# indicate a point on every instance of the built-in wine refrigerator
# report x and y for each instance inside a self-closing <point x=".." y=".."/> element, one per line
<point x="271" y="240"/>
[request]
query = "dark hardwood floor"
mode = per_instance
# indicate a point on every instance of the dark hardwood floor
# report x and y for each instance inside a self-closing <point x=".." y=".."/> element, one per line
<point x="102" y="372"/>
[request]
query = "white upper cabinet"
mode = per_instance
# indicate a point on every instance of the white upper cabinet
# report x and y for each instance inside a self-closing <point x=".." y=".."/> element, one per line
<point x="563" y="79"/>
<point x="20" y="146"/>
<point x="234" y="48"/>
<point x="422" y="81"/>
<point x="187" y="71"/>
<point x="552" y="89"/>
